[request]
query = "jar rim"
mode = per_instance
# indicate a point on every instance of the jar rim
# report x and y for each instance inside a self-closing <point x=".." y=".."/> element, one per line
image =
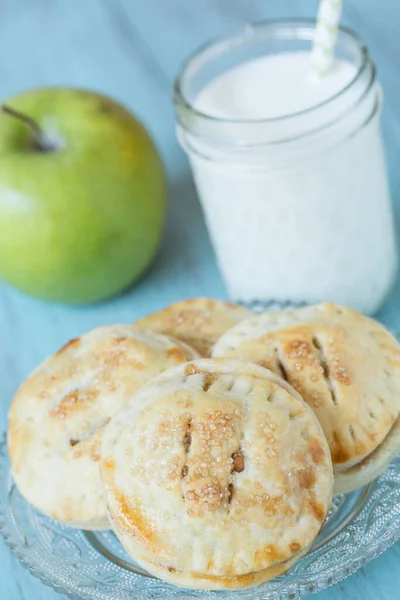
<point x="182" y="102"/>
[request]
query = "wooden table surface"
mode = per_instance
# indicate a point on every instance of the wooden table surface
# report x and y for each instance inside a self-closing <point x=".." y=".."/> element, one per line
<point x="131" y="49"/>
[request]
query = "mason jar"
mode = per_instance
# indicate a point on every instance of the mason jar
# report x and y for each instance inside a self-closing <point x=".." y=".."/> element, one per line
<point x="298" y="206"/>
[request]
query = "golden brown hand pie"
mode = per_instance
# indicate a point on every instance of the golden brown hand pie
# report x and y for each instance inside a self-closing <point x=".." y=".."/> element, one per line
<point x="58" y="416"/>
<point x="345" y="366"/>
<point x="200" y="322"/>
<point x="217" y="475"/>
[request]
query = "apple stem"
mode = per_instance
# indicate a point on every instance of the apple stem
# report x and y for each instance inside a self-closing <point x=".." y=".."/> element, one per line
<point x="42" y="140"/>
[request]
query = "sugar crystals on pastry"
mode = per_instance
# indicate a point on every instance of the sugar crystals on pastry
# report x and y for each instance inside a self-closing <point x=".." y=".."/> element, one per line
<point x="59" y="414"/>
<point x="199" y="321"/>
<point x="217" y="475"/>
<point x="345" y="366"/>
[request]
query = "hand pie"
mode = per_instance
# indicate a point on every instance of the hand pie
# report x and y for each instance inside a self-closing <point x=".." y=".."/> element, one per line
<point x="217" y="475"/>
<point x="345" y="366"/>
<point x="199" y="322"/>
<point x="58" y="416"/>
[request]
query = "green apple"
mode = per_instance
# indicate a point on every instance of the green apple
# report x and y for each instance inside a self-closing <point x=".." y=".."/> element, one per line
<point x="82" y="195"/>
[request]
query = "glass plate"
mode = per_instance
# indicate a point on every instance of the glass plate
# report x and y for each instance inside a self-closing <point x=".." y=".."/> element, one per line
<point x="93" y="565"/>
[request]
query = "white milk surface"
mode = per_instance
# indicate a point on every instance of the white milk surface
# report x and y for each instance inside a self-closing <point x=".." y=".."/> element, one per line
<point x="320" y="226"/>
<point x="272" y="86"/>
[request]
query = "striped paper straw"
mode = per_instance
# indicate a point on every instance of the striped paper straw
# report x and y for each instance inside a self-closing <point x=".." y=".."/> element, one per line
<point x="325" y="35"/>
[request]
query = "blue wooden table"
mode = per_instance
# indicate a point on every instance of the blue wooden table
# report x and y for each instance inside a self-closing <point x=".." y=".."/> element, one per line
<point x="131" y="49"/>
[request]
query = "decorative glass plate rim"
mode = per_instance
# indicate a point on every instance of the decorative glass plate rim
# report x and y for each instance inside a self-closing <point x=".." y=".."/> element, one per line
<point x="378" y="503"/>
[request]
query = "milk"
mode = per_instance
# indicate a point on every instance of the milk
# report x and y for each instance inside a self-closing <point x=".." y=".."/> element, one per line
<point x="271" y="87"/>
<point x="293" y="184"/>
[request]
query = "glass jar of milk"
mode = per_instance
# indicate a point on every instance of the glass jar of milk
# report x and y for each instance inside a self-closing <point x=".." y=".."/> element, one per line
<point x="289" y="167"/>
